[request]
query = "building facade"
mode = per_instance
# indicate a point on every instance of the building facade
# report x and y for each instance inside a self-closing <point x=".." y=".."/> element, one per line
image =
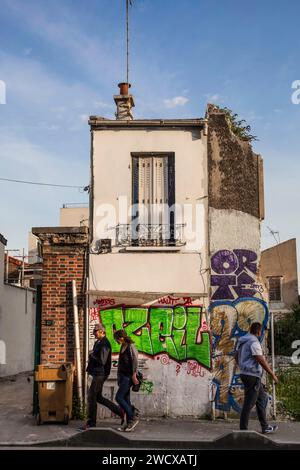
<point x="175" y="211"/>
<point x="279" y="272"/>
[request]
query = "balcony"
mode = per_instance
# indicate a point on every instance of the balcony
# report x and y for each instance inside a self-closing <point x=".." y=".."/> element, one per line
<point x="150" y="235"/>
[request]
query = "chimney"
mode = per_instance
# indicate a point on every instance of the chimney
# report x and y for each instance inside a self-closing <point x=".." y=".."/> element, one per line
<point x="124" y="102"/>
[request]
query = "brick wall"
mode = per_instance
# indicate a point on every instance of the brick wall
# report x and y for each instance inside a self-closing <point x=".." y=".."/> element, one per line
<point x="64" y="251"/>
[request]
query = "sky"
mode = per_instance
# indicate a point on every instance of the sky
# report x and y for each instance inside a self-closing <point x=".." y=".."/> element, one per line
<point x="61" y="61"/>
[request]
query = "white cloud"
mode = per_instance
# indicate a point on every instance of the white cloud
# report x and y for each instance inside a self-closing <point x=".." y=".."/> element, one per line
<point x="176" y="101"/>
<point x="213" y="98"/>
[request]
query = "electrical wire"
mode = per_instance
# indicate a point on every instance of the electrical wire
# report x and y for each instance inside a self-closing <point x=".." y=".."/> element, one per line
<point x="85" y="188"/>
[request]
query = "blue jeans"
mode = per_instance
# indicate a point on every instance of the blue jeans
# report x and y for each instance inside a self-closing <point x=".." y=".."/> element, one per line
<point x="123" y="395"/>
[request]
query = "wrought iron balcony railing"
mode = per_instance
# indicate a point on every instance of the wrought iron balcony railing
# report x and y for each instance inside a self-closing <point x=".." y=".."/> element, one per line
<point x="150" y="235"/>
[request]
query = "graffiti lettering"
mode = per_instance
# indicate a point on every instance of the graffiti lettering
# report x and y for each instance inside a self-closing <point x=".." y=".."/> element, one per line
<point x="185" y="301"/>
<point x="175" y="331"/>
<point x="229" y="321"/>
<point x="233" y="274"/>
<point x="104" y="302"/>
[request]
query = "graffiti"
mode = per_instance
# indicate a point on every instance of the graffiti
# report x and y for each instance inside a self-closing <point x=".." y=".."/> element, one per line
<point x="179" y="332"/>
<point x="192" y="368"/>
<point x="94" y="315"/>
<point x="104" y="302"/>
<point x="229" y="321"/>
<point x="233" y="274"/>
<point x="185" y="301"/>
<point x="146" y="386"/>
<point x="164" y="360"/>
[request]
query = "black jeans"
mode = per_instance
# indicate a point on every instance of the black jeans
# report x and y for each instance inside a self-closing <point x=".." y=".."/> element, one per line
<point x="254" y="395"/>
<point x="95" y="396"/>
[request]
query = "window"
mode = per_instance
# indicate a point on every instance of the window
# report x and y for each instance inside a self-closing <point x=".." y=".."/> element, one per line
<point x="153" y="200"/>
<point x="275" y="288"/>
<point x="153" y="193"/>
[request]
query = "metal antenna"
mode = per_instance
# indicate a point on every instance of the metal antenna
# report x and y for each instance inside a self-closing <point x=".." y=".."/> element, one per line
<point x="273" y="233"/>
<point x="127" y="40"/>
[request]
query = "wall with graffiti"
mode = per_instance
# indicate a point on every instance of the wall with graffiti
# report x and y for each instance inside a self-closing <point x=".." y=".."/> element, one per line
<point x="229" y="321"/>
<point x="237" y="301"/>
<point x="174" y="344"/>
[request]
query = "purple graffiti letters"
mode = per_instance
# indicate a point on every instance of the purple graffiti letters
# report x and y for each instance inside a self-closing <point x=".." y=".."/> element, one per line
<point x="223" y="282"/>
<point x="246" y="259"/>
<point x="233" y="273"/>
<point x="224" y="262"/>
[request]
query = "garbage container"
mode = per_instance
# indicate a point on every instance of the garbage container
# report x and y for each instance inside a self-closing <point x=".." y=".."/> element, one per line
<point x="55" y="392"/>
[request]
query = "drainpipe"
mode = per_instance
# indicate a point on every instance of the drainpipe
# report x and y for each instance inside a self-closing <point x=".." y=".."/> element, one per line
<point x="87" y="321"/>
<point x="273" y="363"/>
<point x="77" y="341"/>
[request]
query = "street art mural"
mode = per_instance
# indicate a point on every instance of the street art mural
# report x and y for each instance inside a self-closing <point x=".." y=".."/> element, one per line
<point x="237" y="302"/>
<point x="179" y="332"/>
<point x="229" y="321"/>
<point x="234" y="275"/>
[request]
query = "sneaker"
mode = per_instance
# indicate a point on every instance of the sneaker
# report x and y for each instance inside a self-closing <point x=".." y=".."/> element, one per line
<point x="132" y="424"/>
<point x="123" y="427"/>
<point x="270" y="429"/>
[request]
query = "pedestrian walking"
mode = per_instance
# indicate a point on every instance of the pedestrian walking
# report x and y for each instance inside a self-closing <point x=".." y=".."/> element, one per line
<point x="99" y="366"/>
<point x="251" y="361"/>
<point x="127" y="377"/>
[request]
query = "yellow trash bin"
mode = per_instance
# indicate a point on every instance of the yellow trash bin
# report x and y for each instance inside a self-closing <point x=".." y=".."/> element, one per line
<point x="55" y="392"/>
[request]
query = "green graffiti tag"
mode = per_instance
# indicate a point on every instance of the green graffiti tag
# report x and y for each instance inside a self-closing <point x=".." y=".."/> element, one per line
<point x="161" y="330"/>
<point x="147" y="387"/>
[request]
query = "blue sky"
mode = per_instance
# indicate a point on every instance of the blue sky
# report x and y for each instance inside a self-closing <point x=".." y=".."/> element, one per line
<point x="61" y="61"/>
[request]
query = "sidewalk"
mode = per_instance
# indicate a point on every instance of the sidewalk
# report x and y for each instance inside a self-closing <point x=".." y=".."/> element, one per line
<point x="18" y="427"/>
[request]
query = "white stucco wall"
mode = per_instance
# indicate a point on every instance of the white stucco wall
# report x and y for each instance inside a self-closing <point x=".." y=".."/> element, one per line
<point x="231" y="229"/>
<point x="17" y="327"/>
<point x="160" y="272"/>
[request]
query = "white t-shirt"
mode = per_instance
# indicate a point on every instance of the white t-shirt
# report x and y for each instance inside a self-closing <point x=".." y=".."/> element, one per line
<point x="256" y="349"/>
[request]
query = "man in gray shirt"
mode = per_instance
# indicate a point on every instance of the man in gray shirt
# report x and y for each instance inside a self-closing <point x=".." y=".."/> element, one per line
<point x="251" y="361"/>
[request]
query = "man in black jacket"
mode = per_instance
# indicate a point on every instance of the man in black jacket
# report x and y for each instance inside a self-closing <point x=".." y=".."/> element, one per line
<point x="99" y="366"/>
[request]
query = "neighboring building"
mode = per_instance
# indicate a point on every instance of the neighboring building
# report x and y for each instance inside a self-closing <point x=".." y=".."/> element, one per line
<point x="74" y="215"/>
<point x="17" y="324"/>
<point x="184" y="283"/>
<point x="279" y="272"/>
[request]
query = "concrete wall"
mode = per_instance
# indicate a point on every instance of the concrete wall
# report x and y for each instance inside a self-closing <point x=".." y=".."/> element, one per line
<point x="17" y="326"/>
<point x="237" y="293"/>
<point x="237" y="296"/>
<point x="74" y="216"/>
<point x="174" y="351"/>
<point x="17" y="329"/>
<point x="281" y="260"/>
<point x="177" y="382"/>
